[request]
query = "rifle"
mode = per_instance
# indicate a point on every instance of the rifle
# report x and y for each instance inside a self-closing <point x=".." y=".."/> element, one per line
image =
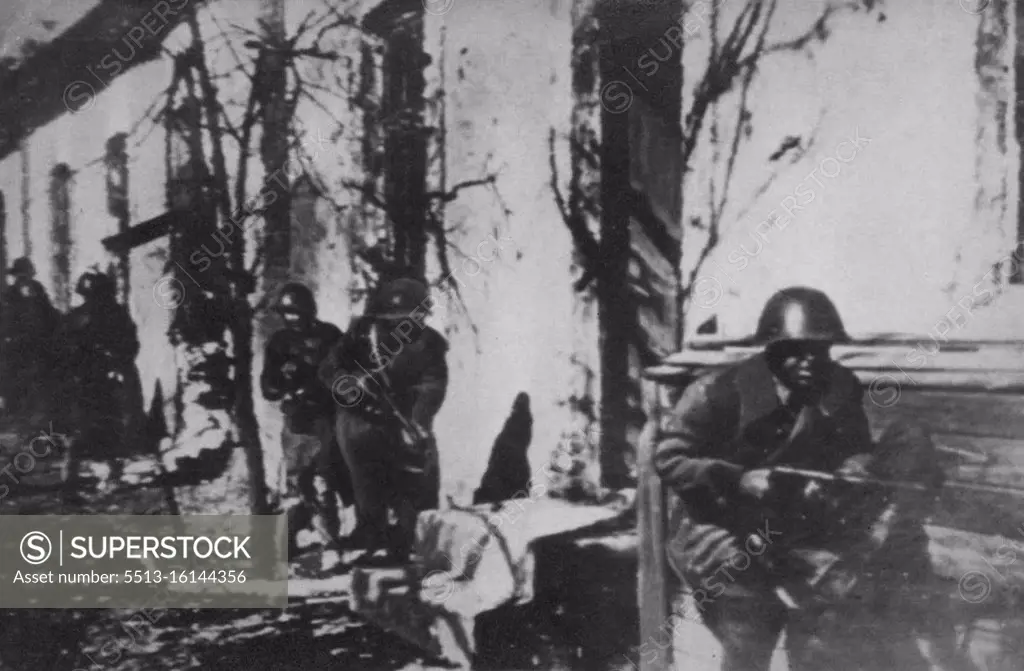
<point x="897" y="484"/>
<point x="416" y="436"/>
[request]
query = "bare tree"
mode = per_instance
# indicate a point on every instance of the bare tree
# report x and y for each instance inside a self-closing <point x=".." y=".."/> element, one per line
<point x="249" y="111"/>
<point x="218" y="324"/>
<point x="732" y="65"/>
<point x="733" y="62"/>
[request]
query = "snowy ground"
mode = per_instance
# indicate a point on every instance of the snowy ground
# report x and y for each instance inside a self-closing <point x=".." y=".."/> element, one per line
<point x="587" y="622"/>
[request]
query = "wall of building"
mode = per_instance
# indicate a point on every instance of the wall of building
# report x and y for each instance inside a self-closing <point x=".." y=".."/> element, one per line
<point x="522" y="327"/>
<point x="896" y="225"/>
<point x="892" y="236"/>
<point x="78" y="139"/>
<point x="506" y="69"/>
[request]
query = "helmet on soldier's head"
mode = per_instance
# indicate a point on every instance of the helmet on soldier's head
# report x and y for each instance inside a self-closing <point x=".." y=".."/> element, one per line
<point x="296" y="299"/>
<point x="22" y="267"/>
<point x="799" y="314"/>
<point x="103" y="286"/>
<point x="87" y="284"/>
<point x="398" y="299"/>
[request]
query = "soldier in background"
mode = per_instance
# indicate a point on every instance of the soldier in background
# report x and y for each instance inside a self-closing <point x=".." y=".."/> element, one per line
<point x="29" y="324"/>
<point x="98" y="346"/>
<point x="314" y="467"/>
<point x="389" y="376"/>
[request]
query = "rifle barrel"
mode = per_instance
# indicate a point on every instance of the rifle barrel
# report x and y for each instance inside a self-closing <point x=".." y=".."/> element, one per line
<point x="901" y="484"/>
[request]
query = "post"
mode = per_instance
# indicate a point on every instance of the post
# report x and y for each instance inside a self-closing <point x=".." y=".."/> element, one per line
<point x="116" y="161"/>
<point x="652" y="586"/>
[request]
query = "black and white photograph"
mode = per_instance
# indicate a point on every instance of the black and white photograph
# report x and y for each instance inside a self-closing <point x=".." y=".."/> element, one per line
<point x="512" y="335"/>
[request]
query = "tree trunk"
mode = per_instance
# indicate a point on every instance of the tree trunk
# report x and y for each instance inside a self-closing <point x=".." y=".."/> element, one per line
<point x="204" y="453"/>
<point x="277" y="221"/>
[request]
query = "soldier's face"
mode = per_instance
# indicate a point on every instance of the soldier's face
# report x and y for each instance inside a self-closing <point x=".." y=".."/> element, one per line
<point x="293" y="320"/>
<point x="801" y="366"/>
<point x="402" y="329"/>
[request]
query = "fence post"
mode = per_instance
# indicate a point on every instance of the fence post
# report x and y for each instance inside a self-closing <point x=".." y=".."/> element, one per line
<point x="652" y="587"/>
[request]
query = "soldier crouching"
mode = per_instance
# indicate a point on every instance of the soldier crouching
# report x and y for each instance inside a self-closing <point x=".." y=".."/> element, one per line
<point x="313" y="464"/>
<point x="791" y="406"/>
<point x="389" y="377"/>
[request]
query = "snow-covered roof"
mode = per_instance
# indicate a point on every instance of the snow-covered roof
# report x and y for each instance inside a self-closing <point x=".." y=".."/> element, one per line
<point x="74" y="35"/>
<point x="25" y="23"/>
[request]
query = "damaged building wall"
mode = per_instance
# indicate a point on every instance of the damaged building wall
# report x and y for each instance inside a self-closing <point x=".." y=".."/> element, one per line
<point x="506" y="70"/>
<point x="78" y="140"/>
<point x="499" y="122"/>
<point x="523" y="327"/>
<point x="843" y="183"/>
<point x="506" y="301"/>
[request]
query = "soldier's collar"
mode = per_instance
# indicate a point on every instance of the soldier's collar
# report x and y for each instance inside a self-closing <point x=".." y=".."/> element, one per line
<point x="760" y="391"/>
<point x="782" y="391"/>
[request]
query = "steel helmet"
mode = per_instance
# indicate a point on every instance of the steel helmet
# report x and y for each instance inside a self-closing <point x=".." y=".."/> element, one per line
<point x="105" y="286"/>
<point x="296" y="299"/>
<point x="87" y="284"/>
<point x="94" y="284"/>
<point x="398" y="299"/>
<point x="800" y="313"/>
<point x="22" y="267"/>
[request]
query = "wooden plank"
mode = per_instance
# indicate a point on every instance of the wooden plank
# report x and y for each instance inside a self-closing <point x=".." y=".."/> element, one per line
<point x="906" y="359"/>
<point x="882" y="382"/>
<point x="983" y="567"/>
<point x="950" y="412"/>
<point x="995" y="461"/>
<point x="654" y="275"/>
<point x="716" y="342"/>
<point x="652" y="584"/>
<point x="143" y="233"/>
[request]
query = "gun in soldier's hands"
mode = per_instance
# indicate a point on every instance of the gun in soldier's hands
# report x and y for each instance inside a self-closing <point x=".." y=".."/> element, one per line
<point x="414" y="435"/>
<point x="289" y="369"/>
<point x="756" y="482"/>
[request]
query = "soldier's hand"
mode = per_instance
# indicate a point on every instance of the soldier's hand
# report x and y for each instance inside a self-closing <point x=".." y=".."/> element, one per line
<point x="288" y="370"/>
<point x="757" y="482"/>
<point x="855" y="467"/>
<point x="414" y="437"/>
<point x="814" y="493"/>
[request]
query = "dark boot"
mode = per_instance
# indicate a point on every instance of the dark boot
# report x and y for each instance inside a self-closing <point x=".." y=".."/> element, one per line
<point x="298" y="519"/>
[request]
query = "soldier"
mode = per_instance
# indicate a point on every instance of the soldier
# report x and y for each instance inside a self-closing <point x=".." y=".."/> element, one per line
<point x="29" y="325"/>
<point x="99" y="345"/>
<point x="314" y="467"/>
<point x="791" y="406"/>
<point x="389" y="376"/>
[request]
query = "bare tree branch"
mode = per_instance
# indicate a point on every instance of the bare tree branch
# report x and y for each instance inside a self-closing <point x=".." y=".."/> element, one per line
<point x="582" y="238"/>
<point x="213" y="116"/>
<point x="453" y="193"/>
<point x="742" y="118"/>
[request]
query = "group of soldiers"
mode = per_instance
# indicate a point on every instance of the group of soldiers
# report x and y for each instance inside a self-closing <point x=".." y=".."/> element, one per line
<point x="67" y="370"/>
<point x="363" y="403"/>
<point x="359" y="404"/>
<point x="65" y="367"/>
<point x="368" y="397"/>
<point x="763" y="545"/>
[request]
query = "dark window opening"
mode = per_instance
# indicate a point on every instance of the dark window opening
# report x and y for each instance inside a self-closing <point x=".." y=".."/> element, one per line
<point x="60" y="232"/>
<point x="116" y="162"/>
<point x="397" y="124"/>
